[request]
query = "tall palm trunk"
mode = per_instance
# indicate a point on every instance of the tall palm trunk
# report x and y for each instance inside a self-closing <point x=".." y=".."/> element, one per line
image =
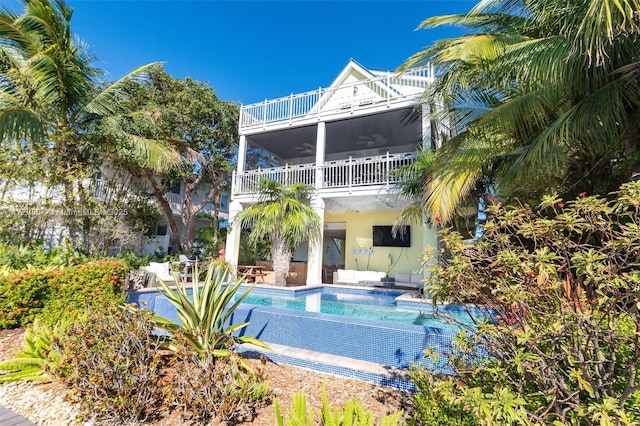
<point x="281" y="256"/>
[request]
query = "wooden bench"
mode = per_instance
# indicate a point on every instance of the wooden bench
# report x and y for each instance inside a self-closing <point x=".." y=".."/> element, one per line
<point x="251" y="272"/>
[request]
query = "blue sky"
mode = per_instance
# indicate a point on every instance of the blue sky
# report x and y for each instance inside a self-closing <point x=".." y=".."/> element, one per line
<point x="252" y="50"/>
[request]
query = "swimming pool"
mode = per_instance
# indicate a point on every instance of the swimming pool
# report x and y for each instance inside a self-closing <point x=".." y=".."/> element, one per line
<point x="380" y="326"/>
<point x="371" y="304"/>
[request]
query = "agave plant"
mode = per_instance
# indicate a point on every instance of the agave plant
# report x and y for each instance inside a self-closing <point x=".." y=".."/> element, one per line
<point x="204" y="316"/>
<point x="34" y="361"/>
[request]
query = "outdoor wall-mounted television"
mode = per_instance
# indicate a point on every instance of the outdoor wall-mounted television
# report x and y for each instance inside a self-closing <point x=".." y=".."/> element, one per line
<point x="383" y="237"/>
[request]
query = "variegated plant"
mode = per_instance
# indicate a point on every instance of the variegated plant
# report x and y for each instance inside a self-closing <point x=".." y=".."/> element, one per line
<point x="205" y="315"/>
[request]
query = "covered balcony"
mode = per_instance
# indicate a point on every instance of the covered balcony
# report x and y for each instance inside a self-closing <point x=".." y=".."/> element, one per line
<point x="349" y="174"/>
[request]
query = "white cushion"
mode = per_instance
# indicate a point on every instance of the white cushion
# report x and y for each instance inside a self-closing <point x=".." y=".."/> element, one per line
<point x="417" y="278"/>
<point x="403" y="278"/>
<point x="161" y="270"/>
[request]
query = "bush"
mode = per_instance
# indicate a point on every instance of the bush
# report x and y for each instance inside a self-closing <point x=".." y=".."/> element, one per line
<point x="434" y="403"/>
<point x="207" y="387"/>
<point x="23" y="295"/>
<point x="110" y="361"/>
<point x="54" y="294"/>
<point x="91" y="285"/>
<point x="564" y="281"/>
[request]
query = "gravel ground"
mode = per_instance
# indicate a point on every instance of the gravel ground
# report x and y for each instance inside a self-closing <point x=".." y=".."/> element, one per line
<point x="44" y="403"/>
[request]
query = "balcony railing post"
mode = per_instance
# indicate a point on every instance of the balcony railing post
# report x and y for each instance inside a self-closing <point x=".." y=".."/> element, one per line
<point x="264" y="115"/>
<point x="290" y="108"/>
<point x="350" y="172"/>
<point x="388" y="170"/>
<point x="233" y="182"/>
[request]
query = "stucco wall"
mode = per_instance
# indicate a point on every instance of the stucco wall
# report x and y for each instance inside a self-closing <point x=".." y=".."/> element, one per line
<point x="359" y="236"/>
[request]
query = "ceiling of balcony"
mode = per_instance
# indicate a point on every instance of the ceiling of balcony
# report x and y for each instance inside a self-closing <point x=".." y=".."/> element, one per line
<point x="366" y="135"/>
<point x="363" y="202"/>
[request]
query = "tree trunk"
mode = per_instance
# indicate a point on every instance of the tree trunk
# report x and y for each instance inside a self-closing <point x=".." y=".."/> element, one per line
<point x="281" y="256"/>
<point x="174" y="238"/>
<point x="191" y="210"/>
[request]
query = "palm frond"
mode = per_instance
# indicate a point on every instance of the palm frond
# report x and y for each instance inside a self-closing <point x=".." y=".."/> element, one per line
<point x="106" y="101"/>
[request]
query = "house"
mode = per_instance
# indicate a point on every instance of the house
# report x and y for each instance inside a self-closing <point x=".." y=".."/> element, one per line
<point x="112" y="196"/>
<point x="344" y="140"/>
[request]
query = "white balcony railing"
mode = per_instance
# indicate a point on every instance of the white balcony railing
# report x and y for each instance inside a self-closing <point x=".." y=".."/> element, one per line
<point x="338" y="174"/>
<point x="386" y="89"/>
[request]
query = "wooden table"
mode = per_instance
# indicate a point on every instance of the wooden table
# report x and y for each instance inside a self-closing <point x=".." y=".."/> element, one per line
<point x="251" y="272"/>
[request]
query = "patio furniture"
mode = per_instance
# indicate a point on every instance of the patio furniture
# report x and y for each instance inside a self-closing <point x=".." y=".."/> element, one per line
<point x="409" y="280"/>
<point x="251" y="272"/>
<point x="187" y="266"/>
<point x="352" y="277"/>
<point x="157" y="270"/>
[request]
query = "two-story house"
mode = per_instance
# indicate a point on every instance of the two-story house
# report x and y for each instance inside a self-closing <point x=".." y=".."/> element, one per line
<point x="344" y="140"/>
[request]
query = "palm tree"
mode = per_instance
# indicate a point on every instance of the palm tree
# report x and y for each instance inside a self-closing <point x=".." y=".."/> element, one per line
<point x="545" y="95"/>
<point x="282" y="216"/>
<point x="51" y="98"/>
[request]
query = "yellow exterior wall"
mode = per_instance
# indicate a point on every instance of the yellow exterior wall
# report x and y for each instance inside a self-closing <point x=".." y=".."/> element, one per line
<point x="359" y="236"/>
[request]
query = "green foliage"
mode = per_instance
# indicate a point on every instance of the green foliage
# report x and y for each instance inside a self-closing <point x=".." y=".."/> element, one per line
<point x="110" y="361"/>
<point x="54" y="294"/>
<point x="207" y="387"/>
<point x="187" y="116"/>
<point x="435" y="402"/>
<point x="23" y="295"/>
<point x="518" y="91"/>
<point x="17" y="258"/>
<point x="352" y="414"/>
<point x="133" y="260"/>
<point x="96" y="284"/>
<point x="205" y="314"/>
<point x="36" y="358"/>
<point x="564" y="283"/>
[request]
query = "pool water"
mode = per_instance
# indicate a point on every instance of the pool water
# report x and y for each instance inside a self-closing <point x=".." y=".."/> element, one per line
<point x="379" y="305"/>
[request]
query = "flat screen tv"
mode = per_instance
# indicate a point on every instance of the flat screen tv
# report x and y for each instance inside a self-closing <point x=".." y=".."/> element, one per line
<point x="383" y="237"/>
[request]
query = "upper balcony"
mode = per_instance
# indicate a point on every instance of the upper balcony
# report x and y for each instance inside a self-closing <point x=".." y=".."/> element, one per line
<point x="344" y="176"/>
<point x="356" y="90"/>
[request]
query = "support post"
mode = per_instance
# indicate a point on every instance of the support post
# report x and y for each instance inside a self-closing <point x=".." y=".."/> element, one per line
<point x="232" y="246"/>
<point x="314" y="261"/>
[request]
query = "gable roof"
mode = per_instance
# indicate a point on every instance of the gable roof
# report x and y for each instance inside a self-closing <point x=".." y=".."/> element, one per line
<point x="355" y="85"/>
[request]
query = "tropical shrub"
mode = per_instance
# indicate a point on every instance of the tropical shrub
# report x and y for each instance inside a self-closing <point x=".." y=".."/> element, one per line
<point x="205" y="313"/>
<point x="564" y="283"/>
<point x="206" y="387"/>
<point x="23" y="295"/>
<point x="55" y="294"/>
<point x="90" y="285"/>
<point x="432" y="406"/>
<point x="352" y="414"/>
<point x="17" y="258"/>
<point x="110" y="361"/>
<point x="36" y="358"/>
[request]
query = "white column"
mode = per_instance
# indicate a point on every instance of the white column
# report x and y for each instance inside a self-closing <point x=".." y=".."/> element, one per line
<point x="242" y="153"/>
<point x="426" y="126"/>
<point x="314" y="263"/>
<point x="430" y="241"/>
<point x="232" y="247"/>
<point x="321" y="141"/>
